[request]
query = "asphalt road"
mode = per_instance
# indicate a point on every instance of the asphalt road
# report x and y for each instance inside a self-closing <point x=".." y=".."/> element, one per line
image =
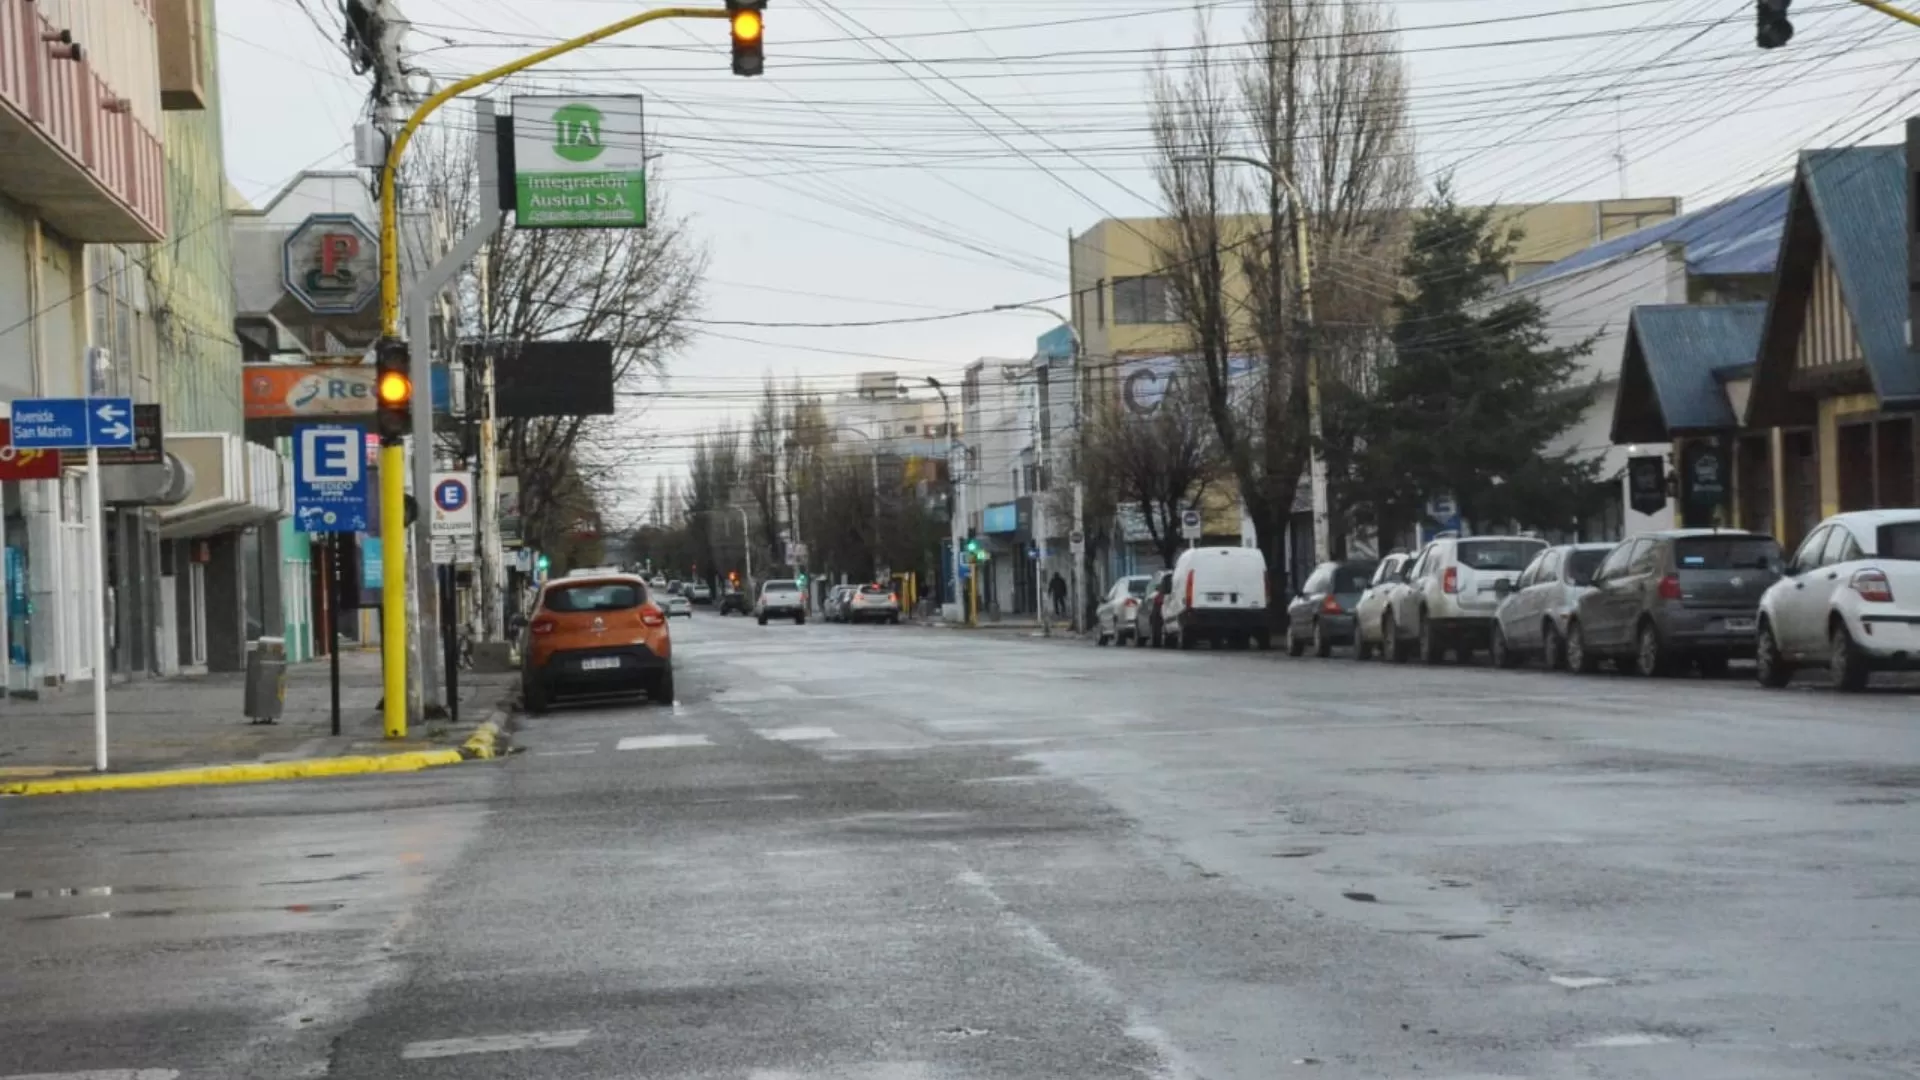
<point x="876" y="853"/>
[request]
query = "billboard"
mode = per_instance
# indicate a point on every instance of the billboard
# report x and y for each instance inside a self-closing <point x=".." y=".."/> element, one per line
<point x="579" y="162"/>
<point x="553" y="378"/>
<point x="1145" y="381"/>
<point x="273" y="391"/>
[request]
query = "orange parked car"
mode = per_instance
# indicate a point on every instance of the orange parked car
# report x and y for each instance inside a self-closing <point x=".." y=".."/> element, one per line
<point x="595" y="634"/>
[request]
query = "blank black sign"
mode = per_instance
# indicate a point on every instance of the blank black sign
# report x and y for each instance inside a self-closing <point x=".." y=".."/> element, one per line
<point x="553" y="378"/>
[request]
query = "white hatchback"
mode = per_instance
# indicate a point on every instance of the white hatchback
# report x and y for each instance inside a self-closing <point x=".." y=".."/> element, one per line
<point x="1849" y="601"/>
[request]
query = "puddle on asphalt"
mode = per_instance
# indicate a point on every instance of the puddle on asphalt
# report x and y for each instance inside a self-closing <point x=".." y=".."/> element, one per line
<point x="186" y="912"/>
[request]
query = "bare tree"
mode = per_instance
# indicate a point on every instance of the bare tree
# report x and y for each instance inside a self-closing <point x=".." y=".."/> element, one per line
<point x="1160" y="464"/>
<point x="1320" y="91"/>
<point x="712" y="476"/>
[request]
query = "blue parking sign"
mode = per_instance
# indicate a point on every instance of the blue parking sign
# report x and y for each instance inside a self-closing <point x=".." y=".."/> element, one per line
<point x="329" y="479"/>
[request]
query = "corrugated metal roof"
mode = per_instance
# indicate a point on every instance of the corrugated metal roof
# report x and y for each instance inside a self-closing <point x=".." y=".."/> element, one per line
<point x="1859" y="198"/>
<point x="1738" y="236"/>
<point x="1684" y="345"/>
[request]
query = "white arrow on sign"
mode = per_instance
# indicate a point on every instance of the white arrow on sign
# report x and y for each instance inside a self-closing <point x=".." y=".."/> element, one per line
<point x="108" y="413"/>
<point x="118" y="431"/>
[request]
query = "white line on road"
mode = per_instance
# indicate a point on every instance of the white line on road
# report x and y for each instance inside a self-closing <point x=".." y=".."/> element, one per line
<point x="102" y="1074"/>
<point x="661" y="742"/>
<point x="1610" y="1042"/>
<point x="796" y="734"/>
<point x="1579" y="982"/>
<point x="563" y="753"/>
<point x="494" y="1044"/>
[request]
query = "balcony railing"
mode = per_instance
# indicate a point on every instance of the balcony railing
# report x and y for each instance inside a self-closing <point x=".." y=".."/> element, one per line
<point x="76" y="152"/>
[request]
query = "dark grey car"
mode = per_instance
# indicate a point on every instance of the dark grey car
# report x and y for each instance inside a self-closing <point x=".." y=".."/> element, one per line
<point x="1321" y="613"/>
<point x="1682" y="595"/>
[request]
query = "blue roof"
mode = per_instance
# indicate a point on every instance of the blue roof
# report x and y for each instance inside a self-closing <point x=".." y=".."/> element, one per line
<point x="1859" y="197"/>
<point x="1738" y="236"/>
<point x="1680" y="352"/>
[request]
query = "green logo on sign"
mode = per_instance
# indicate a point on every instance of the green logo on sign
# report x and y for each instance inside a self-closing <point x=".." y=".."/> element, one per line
<point x="576" y="133"/>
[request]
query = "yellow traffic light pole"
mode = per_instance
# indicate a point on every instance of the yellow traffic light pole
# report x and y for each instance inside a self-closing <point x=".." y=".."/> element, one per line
<point x="1889" y="10"/>
<point x="393" y="555"/>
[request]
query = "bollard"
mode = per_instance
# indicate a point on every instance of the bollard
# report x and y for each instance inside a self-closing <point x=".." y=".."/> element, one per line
<point x="266" y="683"/>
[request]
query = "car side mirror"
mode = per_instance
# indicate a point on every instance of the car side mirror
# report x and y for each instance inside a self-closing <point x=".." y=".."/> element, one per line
<point x="1503" y="588"/>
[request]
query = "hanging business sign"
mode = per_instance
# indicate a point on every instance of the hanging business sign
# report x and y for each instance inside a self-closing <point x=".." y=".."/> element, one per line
<point x="1705" y="481"/>
<point x="579" y="162"/>
<point x="331" y="264"/>
<point x="1647" y="483"/>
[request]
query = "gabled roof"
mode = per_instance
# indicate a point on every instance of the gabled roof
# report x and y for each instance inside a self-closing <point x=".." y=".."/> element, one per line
<point x="1850" y="203"/>
<point x="1738" y="236"/>
<point x="1676" y="358"/>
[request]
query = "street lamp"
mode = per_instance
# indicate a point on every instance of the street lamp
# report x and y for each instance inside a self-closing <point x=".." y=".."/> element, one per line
<point x="1079" y="351"/>
<point x="1303" y="254"/>
<point x="958" y="512"/>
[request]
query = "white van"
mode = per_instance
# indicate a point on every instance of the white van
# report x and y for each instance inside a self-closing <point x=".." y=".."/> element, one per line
<point x="1218" y="594"/>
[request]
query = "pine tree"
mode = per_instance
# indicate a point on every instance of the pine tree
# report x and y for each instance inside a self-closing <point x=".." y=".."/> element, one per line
<point x="1473" y="395"/>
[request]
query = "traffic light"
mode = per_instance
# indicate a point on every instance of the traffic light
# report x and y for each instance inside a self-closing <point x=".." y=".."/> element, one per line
<point x="392" y="390"/>
<point x="541" y="564"/>
<point x="1774" y="29"/>
<point x="746" y="20"/>
<point x="975" y="552"/>
<point x="802" y="578"/>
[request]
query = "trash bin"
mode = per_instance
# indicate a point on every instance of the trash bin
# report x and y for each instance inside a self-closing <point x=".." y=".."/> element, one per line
<point x="266" y="689"/>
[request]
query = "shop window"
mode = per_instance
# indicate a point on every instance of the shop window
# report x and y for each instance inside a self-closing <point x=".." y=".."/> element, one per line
<point x="1854" y="456"/>
<point x="1893" y="462"/>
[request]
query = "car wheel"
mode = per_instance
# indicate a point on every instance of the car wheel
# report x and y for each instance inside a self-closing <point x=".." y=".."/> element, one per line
<point x="1264" y="639"/>
<point x="1554" y="645"/>
<point x="1321" y="646"/>
<point x="662" y="689"/>
<point x="1185" y="642"/>
<point x="763" y="620"/>
<point x="1769" y="667"/>
<point x="799" y="620"/>
<point x="1390" y="648"/>
<point x="1579" y="660"/>
<point x="1432" y="649"/>
<point x="534" y="698"/>
<point x="1846" y="662"/>
<point x="1362" y="648"/>
<point x="893" y="620"/>
<point x="1500" y="651"/>
<point x="1711" y="667"/>
<point x="1159" y="640"/>
<point x="1649" y="658"/>
<point x="1243" y="641"/>
<point x="1295" y="646"/>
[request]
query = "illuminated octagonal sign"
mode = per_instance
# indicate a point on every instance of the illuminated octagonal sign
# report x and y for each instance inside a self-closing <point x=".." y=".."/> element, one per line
<point x="331" y="264"/>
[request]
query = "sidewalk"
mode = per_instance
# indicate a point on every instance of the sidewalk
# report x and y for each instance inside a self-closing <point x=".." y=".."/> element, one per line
<point x="195" y="721"/>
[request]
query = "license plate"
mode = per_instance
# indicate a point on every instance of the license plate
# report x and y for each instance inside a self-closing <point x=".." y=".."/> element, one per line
<point x="1739" y="625"/>
<point x="1216" y="596"/>
<point x="600" y="664"/>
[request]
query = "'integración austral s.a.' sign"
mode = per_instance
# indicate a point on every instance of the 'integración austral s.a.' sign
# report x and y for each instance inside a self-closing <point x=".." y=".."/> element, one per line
<point x="579" y="162"/>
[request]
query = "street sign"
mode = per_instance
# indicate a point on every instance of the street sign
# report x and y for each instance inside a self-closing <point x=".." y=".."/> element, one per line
<point x="579" y="162"/>
<point x="329" y="479"/>
<point x="1077" y="540"/>
<point x="452" y="504"/>
<point x="72" y="423"/>
<point x="1190" y="524"/>
<point x="16" y="464"/>
<point x="453" y="549"/>
<point x="148" y="442"/>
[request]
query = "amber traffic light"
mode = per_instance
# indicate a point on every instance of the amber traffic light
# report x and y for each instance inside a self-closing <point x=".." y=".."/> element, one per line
<point x="747" y="22"/>
<point x="392" y="390"/>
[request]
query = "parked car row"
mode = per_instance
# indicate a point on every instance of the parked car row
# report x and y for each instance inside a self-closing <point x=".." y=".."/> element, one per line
<point x="1655" y="604"/>
<point x="861" y="603"/>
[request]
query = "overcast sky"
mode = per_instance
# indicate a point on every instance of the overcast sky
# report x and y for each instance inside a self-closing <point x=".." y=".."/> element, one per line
<point x="912" y="157"/>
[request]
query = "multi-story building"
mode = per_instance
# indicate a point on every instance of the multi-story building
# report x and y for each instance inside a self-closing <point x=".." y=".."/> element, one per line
<point x="100" y="101"/>
<point x="896" y="418"/>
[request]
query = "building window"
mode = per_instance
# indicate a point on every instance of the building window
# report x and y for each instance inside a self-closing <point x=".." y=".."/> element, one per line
<point x="1100" y="303"/>
<point x="1142" y="300"/>
<point x="906" y="429"/>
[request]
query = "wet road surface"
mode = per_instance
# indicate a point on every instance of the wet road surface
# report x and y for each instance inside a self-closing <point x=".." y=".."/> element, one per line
<point x="877" y="853"/>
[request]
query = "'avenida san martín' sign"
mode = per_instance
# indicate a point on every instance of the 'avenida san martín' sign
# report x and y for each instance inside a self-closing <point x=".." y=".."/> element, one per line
<point x="579" y="162"/>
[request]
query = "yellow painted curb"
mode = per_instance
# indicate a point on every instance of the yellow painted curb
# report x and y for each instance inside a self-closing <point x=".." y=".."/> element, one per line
<point x="483" y="743"/>
<point x="241" y="774"/>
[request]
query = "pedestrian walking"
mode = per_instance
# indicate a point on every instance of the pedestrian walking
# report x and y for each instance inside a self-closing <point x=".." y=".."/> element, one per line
<point x="1058" y="588"/>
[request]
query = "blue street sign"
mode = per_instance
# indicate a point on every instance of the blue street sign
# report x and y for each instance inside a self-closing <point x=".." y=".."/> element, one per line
<point x="329" y="479"/>
<point x="72" y="423"/>
<point x="450" y="495"/>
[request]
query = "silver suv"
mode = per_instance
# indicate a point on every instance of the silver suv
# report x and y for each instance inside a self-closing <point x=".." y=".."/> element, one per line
<point x="1451" y="594"/>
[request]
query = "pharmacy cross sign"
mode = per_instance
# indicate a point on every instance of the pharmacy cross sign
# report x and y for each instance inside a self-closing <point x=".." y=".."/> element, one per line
<point x="72" y="423"/>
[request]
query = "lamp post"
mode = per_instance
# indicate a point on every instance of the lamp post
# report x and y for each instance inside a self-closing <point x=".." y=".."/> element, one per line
<point x="1040" y="521"/>
<point x="958" y="512"/>
<point x="1303" y="255"/>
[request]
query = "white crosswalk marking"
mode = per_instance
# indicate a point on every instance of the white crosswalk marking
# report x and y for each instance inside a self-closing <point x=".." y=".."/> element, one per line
<point x="661" y="742"/>
<point x="494" y="1044"/>
<point x="102" y="1074"/>
<point x="796" y="734"/>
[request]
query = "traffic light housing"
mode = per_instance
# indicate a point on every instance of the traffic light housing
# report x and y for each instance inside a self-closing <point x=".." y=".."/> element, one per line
<point x="746" y="22"/>
<point x="1774" y="29"/>
<point x="975" y="551"/>
<point x="392" y="391"/>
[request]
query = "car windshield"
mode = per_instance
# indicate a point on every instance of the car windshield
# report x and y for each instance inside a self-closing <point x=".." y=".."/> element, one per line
<point x="1899" y="540"/>
<point x="1725" y="552"/>
<point x="1498" y="554"/>
<point x="1582" y="562"/>
<point x="607" y="596"/>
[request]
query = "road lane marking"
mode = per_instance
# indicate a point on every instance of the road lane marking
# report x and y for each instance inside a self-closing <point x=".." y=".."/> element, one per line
<point x="102" y="1074"/>
<point x="493" y="1044"/>
<point x="1579" y="982"/>
<point x="661" y="742"/>
<point x="796" y="734"/>
<point x="563" y="753"/>
<point x="1615" y="1041"/>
